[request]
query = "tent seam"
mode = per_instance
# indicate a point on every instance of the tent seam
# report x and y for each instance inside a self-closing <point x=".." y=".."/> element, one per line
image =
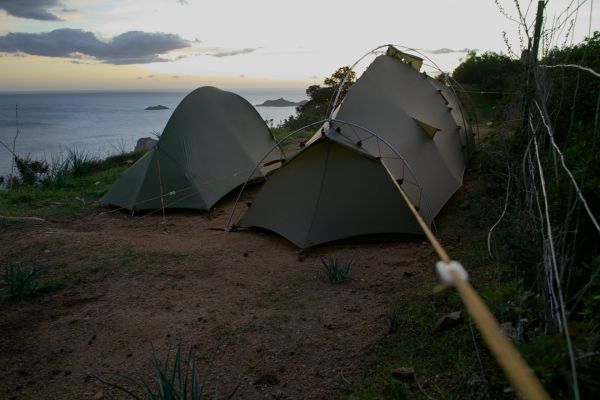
<point x="312" y="218"/>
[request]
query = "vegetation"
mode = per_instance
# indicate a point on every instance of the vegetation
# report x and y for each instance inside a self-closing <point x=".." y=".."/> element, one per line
<point x="490" y="72"/>
<point x="513" y="277"/>
<point x="21" y="281"/>
<point x="449" y="363"/>
<point x="62" y="188"/>
<point x="321" y="98"/>
<point x="394" y="320"/>
<point x="337" y="271"/>
<point x="281" y="132"/>
<point x="74" y="164"/>
<point x="176" y="379"/>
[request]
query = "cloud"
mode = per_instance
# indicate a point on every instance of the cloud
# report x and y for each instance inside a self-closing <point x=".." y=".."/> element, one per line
<point x="33" y="9"/>
<point x="229" y="53"/>
<point x="445" y="50"/>
<point x="134" y="47"/>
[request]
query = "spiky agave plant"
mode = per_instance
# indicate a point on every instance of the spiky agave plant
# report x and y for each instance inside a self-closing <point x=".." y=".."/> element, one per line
<point x="176" y="379"/>
<point x="337" y="271"/>
<point x="20" y="281"/>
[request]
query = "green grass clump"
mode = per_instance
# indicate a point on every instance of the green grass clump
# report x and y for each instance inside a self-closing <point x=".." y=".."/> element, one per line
<point x="70" y="188"/>
<point x="22" y="281"/>
<point x="337" y="271"/>
<point x="393" y="319"/>
<point x="171" y="379"/>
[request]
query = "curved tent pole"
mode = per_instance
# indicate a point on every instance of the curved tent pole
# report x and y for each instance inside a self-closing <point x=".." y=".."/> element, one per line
<point x="454" y="82"/>
<point x="464" y="120"/>
<point x="422" y="197"/>
<point x="462" y="89"/>
<point x="402" y="159"/>
<point x="229" y="226"/>
<point x="421" y="54"/>
<point x="330" y="119"/>
<point x="344" y="80"/>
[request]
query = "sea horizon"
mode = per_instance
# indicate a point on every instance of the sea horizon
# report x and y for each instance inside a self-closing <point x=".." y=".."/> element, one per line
<point x="157" y="90"/>
<point x="102" y="122"/>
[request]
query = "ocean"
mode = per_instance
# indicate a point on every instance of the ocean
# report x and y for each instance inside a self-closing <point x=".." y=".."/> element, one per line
<point x="100" y="123"/>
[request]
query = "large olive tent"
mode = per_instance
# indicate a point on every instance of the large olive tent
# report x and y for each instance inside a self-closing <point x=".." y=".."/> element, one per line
<point x="210" y="145"/>
<point x="394" y="121"/>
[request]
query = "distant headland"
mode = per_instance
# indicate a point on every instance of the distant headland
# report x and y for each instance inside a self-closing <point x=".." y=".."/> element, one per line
<point x="281" y="102"/>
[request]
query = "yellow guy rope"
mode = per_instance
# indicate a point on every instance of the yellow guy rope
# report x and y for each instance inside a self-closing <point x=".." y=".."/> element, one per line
<point x="517" y="371"/>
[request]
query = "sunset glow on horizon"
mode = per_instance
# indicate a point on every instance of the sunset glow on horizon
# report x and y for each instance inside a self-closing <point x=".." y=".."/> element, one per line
<point x="171" y="44"/>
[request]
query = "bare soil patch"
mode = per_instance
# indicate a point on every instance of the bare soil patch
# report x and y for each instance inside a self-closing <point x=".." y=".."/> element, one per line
<point x="134" y="284"/>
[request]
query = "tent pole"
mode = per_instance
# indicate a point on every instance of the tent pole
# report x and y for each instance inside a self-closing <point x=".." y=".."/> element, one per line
<point x="230" y="226"/>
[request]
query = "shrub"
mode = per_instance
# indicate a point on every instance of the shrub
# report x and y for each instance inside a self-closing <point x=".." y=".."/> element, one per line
<point x="30" y="170"/>
<point x="490" y="71"/>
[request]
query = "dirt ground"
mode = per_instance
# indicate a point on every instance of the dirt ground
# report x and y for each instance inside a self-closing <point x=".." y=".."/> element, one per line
<point x="134" y="284"/>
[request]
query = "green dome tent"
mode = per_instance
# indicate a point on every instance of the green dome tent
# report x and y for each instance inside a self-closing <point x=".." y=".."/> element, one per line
<point x="210" y="145"/>
<point x="394" y="122"/>
<point x="327" y="192"/>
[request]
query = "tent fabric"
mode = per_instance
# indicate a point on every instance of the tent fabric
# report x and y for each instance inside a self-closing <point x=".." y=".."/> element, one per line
<point x="396" y="102"/>
<point x="458" y="115"/>
<point x="338" y="186"/>
<point x="210" y="145"/>
<point x="327" y="192"/>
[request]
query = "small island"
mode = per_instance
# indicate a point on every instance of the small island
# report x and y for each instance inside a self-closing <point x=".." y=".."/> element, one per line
<point x="281" y="102"/>
<point x="158" y="107"/>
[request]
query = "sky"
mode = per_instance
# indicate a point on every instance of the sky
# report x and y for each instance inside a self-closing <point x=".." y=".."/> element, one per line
<point x="182" y="44"/>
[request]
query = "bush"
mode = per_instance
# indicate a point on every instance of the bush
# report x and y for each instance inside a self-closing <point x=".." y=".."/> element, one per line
<point x="490" y="72"/>
<point x="30" y="170"/>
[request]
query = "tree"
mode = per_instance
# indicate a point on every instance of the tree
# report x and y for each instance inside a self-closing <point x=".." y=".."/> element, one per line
<point x="321" y="98"/>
